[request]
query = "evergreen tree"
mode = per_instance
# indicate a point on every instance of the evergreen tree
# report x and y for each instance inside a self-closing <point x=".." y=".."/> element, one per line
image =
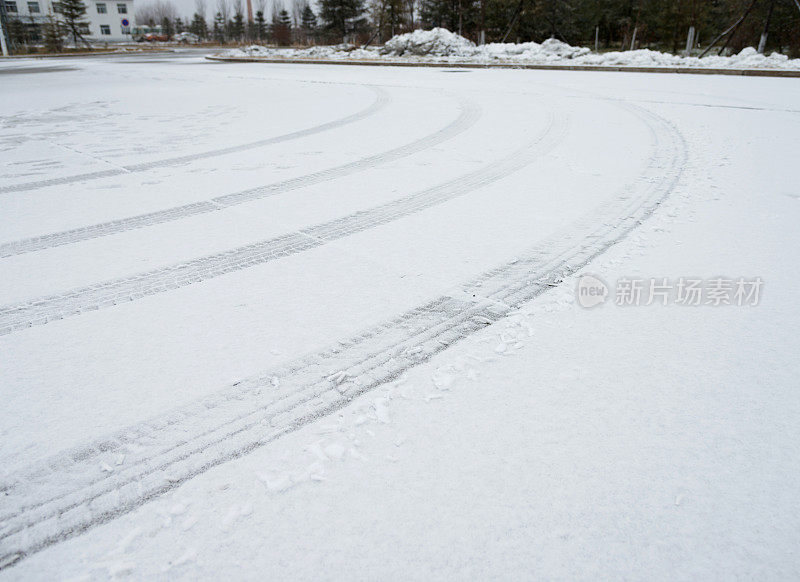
<point x="219" y="28"/>
<point x="342" y="17"/>
<point x="260" y="27"/>
<point x="237" y="27"/>
<point x="73" y="12"/>
<point x="179" y="26"/>
<point x="308" y="23"/>
<point x="308" y="20"/>
<point x="17" y="35"/>
<point x="53" y="34"/>
<point x="166" y="26"/>
<point x="198" y="26"/>
<point x="390" y="17"/>
<point x="281" y="27"/>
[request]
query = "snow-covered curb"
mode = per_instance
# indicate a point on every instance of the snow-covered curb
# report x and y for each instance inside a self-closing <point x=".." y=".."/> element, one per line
<point x="440" y="46"/>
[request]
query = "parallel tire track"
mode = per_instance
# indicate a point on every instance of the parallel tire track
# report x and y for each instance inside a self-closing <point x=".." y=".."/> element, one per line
<point x="45" y="309"/>
<point x="381" y="101"/>
<point x="74" y="495"/>
<point x="551" y="134"/>
<point x="469" y="114"/>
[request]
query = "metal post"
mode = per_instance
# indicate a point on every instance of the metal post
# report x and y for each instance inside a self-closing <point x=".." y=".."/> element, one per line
<point x="689" y="42"/>
<point x="596" y="39"/>
<point x="762" y="44"/>
<point x="3" y="30"/>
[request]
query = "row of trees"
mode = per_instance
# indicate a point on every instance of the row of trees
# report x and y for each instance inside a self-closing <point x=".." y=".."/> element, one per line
<point x="656" y="24"/>
<point x="612" y="24"/>
<point x="230" y="24"/>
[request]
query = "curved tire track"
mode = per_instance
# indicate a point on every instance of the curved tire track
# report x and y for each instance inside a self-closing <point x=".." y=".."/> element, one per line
<point x="551" y="135"/>
<point x="469" y="114"/>
<point x="256" y="412"/>
<point x="382" y="100"/>
<point x="107" y="294"/>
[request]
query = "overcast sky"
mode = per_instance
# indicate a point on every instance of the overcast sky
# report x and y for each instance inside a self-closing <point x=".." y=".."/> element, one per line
<point x="186" y="8"/>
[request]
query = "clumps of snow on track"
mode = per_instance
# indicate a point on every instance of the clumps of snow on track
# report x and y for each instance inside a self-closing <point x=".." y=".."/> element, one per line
<point x="441" y="45"/>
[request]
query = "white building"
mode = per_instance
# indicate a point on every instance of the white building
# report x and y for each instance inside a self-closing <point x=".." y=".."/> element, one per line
<point x="109" y="20"/>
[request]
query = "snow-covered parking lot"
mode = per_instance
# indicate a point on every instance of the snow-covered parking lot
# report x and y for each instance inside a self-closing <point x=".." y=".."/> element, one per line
<point x="324" y="322"/>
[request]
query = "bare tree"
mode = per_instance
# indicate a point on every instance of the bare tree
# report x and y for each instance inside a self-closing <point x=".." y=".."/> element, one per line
<point x="297" y="12"/>
<point x="156" y="11"/>
<point x="200" y="7"/>
<point x="224" y="8"/>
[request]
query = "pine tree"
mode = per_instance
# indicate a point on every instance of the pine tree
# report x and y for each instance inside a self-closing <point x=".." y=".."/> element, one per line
<point x="166" y="27"/>
<point x="179" y="26"/>
<point x="237" y="26"/>
<point x="16" y="33"/>
<point x="308" y="23"/>
<point x="198" y="26"/>
<point x="308" y="19"/>
<point x="260" y="26"/>
<point x="342" y="17"/>
<point x="281" y="27"/>
<point x="53" y="34"/>
<point x="390" y="17"/>
<point x="73" y="12"/>
<point x="219" y="28"/>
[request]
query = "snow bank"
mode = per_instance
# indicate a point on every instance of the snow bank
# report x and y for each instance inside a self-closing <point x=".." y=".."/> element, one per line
<point x="551" y="50"/>
<point x="437" y="42"/>
<point x="441" y="45"/>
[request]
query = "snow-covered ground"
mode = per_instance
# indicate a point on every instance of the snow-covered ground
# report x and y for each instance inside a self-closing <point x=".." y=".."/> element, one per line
<point x="442" y="46"/>
<point x="310" y="322"/>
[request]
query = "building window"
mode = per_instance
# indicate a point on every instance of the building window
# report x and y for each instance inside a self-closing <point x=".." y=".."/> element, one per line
<point x="101" y="9"/>
<point x="122" y="8"/>
<point x="11" y="7"/>
<point x="33" y="7"/>
<point x="105" y="29"/>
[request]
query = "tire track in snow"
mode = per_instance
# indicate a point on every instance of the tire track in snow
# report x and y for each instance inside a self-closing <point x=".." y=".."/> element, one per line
<point x="469" y="114"/>
<point x="551" y="135"/>
<point x="382" y="99"/>
<point x="107" y="294"/>
<point x="178" y="446"/>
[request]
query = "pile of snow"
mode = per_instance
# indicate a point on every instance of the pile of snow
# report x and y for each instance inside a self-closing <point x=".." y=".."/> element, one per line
<point x="551" y="50"/>
<point x="441" y="45"/>
<point x="337" y="52"/>
<point x="438" y="42"/>
<point x="749" y="58"/>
